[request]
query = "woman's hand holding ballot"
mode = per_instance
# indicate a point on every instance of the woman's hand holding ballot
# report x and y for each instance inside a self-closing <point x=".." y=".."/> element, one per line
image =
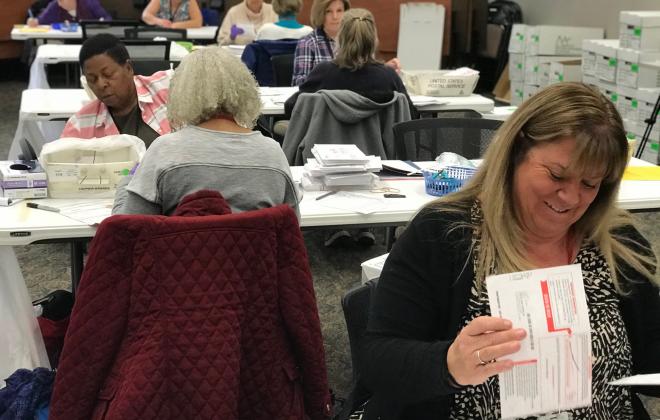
<point x="474" y="355"/>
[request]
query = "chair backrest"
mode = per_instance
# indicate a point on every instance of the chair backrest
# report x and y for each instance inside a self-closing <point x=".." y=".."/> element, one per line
<point x="257" y="57"/>
<point x="149" y="67"/>
<point x="424" y="139"/>
<point x="343" y="117"/>
<point x="113" y="27"/>
<point x="282" y="69"/>
<point x="355" y="305"/>
<point x="148" y="50"/>
<point x="240" y="316"/>
<point x="149" y="33"/>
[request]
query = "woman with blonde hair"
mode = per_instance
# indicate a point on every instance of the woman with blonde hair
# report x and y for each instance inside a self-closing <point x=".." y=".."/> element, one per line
<point x="213" y="105"/>
<point x="355" y="67"/>
<point x="287" y="27"/>
<point x="544" y="195"/>
<point x="320" y="45"/>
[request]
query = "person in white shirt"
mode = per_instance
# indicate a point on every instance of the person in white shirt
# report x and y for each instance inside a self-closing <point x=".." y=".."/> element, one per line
<point x="287" y="27"/>
<point x="243" y="21"/>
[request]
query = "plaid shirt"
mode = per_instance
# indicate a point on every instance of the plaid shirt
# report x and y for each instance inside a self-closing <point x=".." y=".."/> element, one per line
<point x="94" y="119"/>
<point x="311" y="50"/>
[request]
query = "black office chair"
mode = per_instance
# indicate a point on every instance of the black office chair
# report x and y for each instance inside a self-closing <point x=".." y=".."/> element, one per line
<point x="425" y="139"/>
<point x="148" y="50"/>
<point x="282" y="69"/>
<point x="114" y="27"/>
<point x="149" y="67"/>
<point x="149" y="33"/>
<point x="355" y="305"/>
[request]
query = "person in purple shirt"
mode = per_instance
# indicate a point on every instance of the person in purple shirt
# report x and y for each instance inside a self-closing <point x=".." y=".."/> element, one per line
<point x="70" y="10"/>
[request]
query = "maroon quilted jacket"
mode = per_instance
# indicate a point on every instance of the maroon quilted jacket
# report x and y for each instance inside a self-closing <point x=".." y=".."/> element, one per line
<point x="191" y="317"/>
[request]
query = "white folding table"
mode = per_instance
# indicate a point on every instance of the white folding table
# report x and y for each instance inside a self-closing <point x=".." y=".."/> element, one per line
<point x="46" y="32"/>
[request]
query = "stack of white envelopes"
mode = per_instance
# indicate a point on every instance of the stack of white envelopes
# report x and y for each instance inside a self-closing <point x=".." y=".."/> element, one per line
<point x="340" y="166"/>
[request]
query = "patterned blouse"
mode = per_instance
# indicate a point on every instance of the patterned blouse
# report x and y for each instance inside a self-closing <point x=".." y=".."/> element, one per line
<point x="609" y="341"/>
<point x="179" y="14"/>
<point x="315" y="48"/>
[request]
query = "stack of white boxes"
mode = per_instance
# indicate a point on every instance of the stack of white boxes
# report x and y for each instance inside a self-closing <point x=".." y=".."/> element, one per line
<point x="541" y="55"/>
<point x="627" y="70"/>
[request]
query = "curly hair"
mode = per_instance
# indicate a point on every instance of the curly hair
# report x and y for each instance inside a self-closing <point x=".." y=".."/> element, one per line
<point x="210" y="82"/>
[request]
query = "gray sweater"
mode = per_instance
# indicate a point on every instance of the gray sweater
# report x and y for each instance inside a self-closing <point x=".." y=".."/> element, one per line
<point x="343" y="116"/>
<point x="249" y="170"/>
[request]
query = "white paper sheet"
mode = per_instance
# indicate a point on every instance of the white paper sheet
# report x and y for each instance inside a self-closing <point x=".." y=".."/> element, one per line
<point x="362" y="203"/>
<point x="650" y="379"/>
<point x="88" y="211"/>
<point x="552" y="370"/>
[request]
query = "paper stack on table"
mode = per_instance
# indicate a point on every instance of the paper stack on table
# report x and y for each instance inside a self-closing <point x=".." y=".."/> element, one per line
<point x="339" y="165"/>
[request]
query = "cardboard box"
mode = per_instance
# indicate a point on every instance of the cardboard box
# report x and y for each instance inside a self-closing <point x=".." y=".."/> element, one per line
<point x="22" y="174"/>
<point x="636" y="105"/>
<point x="516" y="67"/>
<point x="651" y="151"/>
<point x="589" y="80"/>
<point x="588" y="57"/>
<point x="646" y="99"/>
<point x="627" y="103"/>
<point x="649" y="74"/>
<point x="517" y="93"/>
<point x="518" y="39"/>
<point x="606" y="60"/>
<point x="589" y="53"/>
<point x="438" y="83"/>
<point x="628" y="61"/>
<point x="566" y="71"/>
<point x="530" y="90"/>
<point x="640" y="30"/>
<point x="544" y="74"/>
<point x="609" y="90"/>
<point x="559" y="40"/>
<point x="533" y="66"/>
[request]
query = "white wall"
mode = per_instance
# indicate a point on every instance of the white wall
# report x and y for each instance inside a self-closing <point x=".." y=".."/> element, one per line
<point x="597" y="13"/>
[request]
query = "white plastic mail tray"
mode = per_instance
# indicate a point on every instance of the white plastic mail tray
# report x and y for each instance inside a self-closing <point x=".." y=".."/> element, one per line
<point x="459" y="82"/>
<point x="78" y="168"/>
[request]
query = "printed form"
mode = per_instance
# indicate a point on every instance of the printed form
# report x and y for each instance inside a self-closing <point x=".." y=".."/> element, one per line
<point x="552" y="370"/>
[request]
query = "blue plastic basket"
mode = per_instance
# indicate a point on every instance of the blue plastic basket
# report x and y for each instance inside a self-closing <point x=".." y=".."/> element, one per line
<point x="447" y="180"/>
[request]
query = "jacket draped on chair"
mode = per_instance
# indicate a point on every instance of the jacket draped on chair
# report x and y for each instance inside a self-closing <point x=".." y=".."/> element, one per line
<point x="341" y="117"/>
<point x="199" y="315"/>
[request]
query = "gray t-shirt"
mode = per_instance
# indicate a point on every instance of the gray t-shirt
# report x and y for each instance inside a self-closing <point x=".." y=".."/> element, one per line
<point x="249" y="170"/>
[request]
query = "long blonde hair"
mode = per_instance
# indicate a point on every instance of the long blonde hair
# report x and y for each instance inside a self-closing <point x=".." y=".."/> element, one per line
<point x="558" y="111"/>
<point x="357" y="39"/>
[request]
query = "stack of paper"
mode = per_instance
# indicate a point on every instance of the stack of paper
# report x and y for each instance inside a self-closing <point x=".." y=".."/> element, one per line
<point x="339" y="165"/>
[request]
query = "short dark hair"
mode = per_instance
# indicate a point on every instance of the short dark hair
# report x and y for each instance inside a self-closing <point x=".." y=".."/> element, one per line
<point x="103" y="44"/>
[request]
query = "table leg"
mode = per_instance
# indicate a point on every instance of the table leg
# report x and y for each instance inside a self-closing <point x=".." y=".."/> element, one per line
<point x="77" y="256"/>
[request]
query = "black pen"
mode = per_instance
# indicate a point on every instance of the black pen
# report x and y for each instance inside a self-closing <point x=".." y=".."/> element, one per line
<point x="42" y="207"/>
<point x="325" y="195"/>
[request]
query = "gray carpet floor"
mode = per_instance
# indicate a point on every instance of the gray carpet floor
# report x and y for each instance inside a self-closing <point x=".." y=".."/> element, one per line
<point x="335" y="271"/>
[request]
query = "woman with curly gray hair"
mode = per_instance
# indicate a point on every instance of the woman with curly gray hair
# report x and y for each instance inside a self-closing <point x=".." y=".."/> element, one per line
<point x="213" y="105"/>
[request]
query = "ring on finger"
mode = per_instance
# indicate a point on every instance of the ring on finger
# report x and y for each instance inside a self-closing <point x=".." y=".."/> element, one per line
<point x="481" y="361"/>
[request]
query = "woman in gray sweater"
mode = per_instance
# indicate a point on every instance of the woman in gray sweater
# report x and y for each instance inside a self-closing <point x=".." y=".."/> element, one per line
<point x="213" y="104"/>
